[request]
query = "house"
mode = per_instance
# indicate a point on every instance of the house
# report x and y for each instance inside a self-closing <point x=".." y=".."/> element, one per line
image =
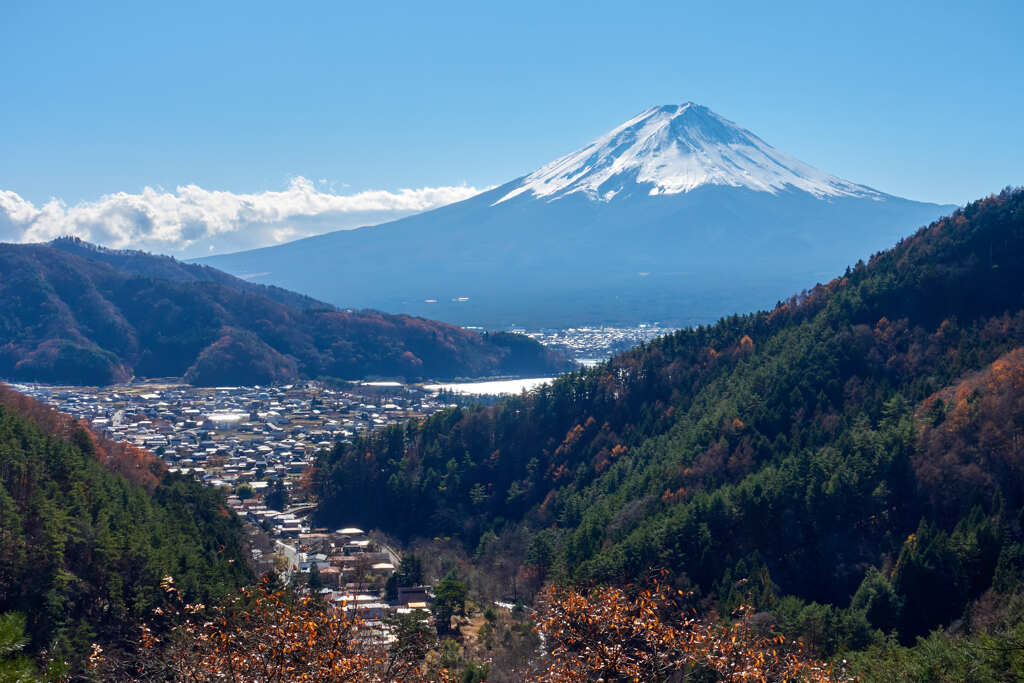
<point x="415" y="597"/>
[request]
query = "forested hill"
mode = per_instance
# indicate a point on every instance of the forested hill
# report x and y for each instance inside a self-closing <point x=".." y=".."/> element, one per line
<point x="75" y="318"/>
<point x="162" y="267"/>
<point x="859" y="442"/>
<point x="88" y="528"/>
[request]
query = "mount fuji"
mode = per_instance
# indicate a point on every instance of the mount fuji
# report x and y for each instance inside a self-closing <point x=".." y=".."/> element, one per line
<point x="678" y="215"/>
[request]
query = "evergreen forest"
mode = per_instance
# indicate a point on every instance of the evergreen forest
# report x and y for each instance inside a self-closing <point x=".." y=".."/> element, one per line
<point x="850" y="463"/>
<point x="89" y="528"/>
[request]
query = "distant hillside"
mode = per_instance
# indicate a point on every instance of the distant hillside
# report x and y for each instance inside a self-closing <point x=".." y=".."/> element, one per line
<point x="161" y="267"/>
<point x="88" y="528"/>
<point x="75" y="318"/>
<point x="858" y="446"/>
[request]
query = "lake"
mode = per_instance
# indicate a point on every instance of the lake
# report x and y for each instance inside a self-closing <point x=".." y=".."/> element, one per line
<point x="491" y="388"/>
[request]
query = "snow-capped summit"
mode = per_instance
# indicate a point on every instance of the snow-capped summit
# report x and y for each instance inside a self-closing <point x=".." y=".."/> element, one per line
<point x="678" y="215"/>
<point x="673" y="149"/>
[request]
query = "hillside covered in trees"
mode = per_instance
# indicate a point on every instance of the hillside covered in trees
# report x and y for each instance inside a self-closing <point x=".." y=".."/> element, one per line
<point x="161" y="267"/>
<point x="89" y="528"/>
<point x="68" y="315"/>
<point x="850" y="461"/>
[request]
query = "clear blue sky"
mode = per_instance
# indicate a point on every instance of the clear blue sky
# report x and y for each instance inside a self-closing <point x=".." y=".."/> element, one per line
<point x="920" y="99"/>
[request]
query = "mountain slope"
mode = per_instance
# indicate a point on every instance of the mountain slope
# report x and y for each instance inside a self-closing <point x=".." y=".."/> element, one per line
<point x="161" y="267"/>
<point x="678" y="215"/>
<point x="70" y="318"/>
<point x="674" y="149"/>
<point x="85" y="548"/>
<point x="867" y="425"/>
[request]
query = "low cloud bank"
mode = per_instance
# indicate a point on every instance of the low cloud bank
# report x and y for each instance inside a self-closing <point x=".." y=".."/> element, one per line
<point x="192" y="221"/>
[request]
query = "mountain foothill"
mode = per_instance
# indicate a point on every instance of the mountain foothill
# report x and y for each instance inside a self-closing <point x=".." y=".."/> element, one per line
<point x="79" y="314"/>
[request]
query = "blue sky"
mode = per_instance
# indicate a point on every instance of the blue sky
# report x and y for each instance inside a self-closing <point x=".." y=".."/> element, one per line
<point x="919" y="99"/>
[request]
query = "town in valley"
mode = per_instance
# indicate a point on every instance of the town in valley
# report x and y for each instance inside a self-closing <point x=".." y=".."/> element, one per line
<point x="259" y="443"/>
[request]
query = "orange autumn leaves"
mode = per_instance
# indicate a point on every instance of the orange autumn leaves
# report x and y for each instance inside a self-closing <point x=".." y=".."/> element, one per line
<point x="971" y="437"/>
<point x="261" y="634"/>
<point x="135" y="464"/>
<point x="608" y="634"/>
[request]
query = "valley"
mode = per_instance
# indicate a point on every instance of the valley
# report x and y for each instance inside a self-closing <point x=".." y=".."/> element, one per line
<point x="674" y="406"/>
<point x="465" y="342"/>
<point x="705" y="453"/>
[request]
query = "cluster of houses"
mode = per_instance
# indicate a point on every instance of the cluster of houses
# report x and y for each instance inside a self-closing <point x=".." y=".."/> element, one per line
<point x="256" y="443"/>
<point x="588" y="345"/>
<point x="231" y="435"/>
<point x="253" y="441"/>
<point x="350" y="571"/>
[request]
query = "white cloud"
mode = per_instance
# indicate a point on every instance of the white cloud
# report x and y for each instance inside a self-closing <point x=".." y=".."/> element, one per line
<point x="193" y="221"/>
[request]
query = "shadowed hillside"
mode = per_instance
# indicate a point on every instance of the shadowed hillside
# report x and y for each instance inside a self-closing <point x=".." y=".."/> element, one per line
<point x="160" y="267"/>
<point x="72" y="318"/>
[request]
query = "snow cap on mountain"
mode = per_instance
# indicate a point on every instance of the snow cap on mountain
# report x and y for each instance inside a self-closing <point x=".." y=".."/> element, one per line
<point x="677" y="148"/>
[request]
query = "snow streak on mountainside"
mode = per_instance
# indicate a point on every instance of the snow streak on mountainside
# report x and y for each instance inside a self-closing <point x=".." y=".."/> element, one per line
<point x="678" y="216"/>
<point x="674" y="149"/>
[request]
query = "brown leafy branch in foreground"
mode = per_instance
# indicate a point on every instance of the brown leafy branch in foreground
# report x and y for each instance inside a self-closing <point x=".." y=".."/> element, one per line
<point x="607" y="634"/>
<point x="261" y="634"/>
<point x="602" y="634"/>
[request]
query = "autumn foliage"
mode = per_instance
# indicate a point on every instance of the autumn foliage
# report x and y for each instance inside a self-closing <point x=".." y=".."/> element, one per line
<point x="137" y="465"/>
<point x="88" y="527"/>
<point x="261" y="634"/>
<point x="612" y="634"/>
<point x="971" y="439"/>
<point x="600" y="634"/>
